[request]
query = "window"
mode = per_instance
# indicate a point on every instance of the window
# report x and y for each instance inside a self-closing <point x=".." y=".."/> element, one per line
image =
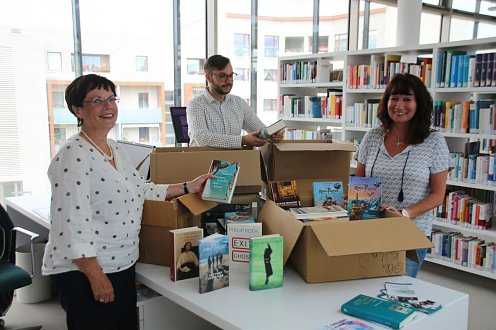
<point x="271" y="46"/>
<point x="241" y="44"/>
<point x="58" y="99"/>
<point x="195" y="65"/>
<point x="340" y="42"/>
<point x="94" y="63"/>
<point x="270" y="74"/>
<point x="10" y="189"/>
<point x="144" y="134"/>
<point x="60" y="137"/>
<point x="243" y="74"/>
<point x="54" y="61"/>
<point x="323" y="44"/>
<point x="294" y="44"/>
<point x="143" y="100"/>
<point x="372" y="39"/>
<point x="461" y="28"/>
<point x="270" y="104"/>
<point x="141" y="63"/>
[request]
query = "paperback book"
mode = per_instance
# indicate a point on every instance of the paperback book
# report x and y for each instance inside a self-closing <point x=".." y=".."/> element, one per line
<point x="385" y="312"/>
<point x="328" y="193"/>
<point x="364" y="198"/>
<point x="405" y="294"/>
<point x="248" y="215"/>
<point x="266" y="262"/>
<point x="272" y="129"/>
<point x="346" y="324"/>
<point x="221" y="188"/>
<point x="319" y="212"/>
<point x="239" y="244"/>
<point x="184" y="252"/>
<point x="214" y="263"/>
<point x="285" y="194"/>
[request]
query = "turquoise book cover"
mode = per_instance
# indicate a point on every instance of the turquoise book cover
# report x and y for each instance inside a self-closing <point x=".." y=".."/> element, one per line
<point x="214" y="262"/>
<point x="221" y="188"/>
<point x="328" y="193"/>
<point x="266" y="262"/>
<point x="377" y="310"/>
<point x="364" y="198"/>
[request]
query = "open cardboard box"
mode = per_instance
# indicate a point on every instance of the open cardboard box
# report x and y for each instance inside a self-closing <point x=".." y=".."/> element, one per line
<point x="335" y="250"/>
<point x="316" y="159"/>
<point x="161" y="216"/>
<point x="172" y="165"/>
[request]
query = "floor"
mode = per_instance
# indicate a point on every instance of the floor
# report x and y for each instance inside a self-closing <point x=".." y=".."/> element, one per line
<point x="482" y="306"/>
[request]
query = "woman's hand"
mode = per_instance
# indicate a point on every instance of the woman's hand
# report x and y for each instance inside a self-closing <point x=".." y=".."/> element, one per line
<point x="102" y="288"/>
<point x="197" y="185"/>
<point x="390" y="208"/>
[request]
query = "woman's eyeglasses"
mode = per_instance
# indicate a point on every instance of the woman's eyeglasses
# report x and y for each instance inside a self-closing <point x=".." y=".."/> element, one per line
<point x="100" y="101"/>
<point x="224" y="76"/>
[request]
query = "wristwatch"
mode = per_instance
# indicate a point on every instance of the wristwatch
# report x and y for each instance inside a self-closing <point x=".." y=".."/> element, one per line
<point x="405" y="213"/>
<point x="185" y="187"/>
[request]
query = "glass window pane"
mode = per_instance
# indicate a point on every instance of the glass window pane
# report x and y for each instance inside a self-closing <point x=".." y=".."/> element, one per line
<point x="195" y="66"/>
<point x="271" y="46"/>
<point x="54" y="61"/>
<point x="141" y="63"/>
<point x="380" y="34"/>
<point x="488" y="7"/>
<point x="486" y="30"/>
<point x="465" y="5"/>
<point x="333" y="23"/>
<point x="430" y="28"/>
<point x="461" y="29"/>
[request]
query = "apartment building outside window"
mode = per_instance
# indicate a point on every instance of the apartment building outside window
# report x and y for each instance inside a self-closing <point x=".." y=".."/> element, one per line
<point x="141" y="63"/>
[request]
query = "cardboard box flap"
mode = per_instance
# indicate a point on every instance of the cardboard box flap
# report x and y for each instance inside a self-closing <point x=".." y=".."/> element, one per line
<point x="370" y="236"/>
<point x="195" y="204"/>
<point x="315" y="146"/>
<point x="275" y="220"/>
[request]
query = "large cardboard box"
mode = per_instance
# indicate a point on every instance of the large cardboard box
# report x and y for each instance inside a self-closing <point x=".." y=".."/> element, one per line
<point x="173" y="165"/>
<point x="317" y="159"/>
<point x="335" y="250"/>
<point x="161" y="216"/>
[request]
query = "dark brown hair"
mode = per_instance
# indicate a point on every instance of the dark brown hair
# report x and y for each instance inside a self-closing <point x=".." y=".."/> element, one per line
<point x="420" y="125"/>
<point x="77" y="90"/>
<point x="218" y="62"/>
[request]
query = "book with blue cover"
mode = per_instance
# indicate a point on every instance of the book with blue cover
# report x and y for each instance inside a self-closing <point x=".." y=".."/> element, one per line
<point x="266" y="262"/>
<point x="214" y="262"/>
<point x="380" y="311"/>
<point x="221" y="188"/>
<point x="364" y="198"/>
<point x="328" y="193"/>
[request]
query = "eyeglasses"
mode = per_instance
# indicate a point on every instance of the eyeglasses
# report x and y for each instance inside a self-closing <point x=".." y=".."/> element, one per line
<point x="97" y="102"/>
<point x="224" y="76"/>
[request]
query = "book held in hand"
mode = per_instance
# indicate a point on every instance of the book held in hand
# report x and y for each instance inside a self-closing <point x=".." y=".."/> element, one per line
<point x="328" y="193"/>
<point x="377" y="310"/>
<point x="285" y="194"/>
<point x="184" y="252"/>
<point x="364" y="198"/>
<point x="239" y="244"/>
<point x="266" y="262"/>
<point x="268" y="131"/>
<point x="221" y="188"/>
<point x="214" y="262"/>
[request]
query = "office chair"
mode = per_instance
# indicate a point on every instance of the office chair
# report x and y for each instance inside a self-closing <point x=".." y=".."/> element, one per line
<point x="11" y="276"/>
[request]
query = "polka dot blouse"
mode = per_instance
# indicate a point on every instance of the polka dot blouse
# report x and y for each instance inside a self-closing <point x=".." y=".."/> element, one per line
<point x="95" y="208"/>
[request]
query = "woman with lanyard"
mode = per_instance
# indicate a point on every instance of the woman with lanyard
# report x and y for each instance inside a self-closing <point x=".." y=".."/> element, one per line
<point x="411" y="158"/>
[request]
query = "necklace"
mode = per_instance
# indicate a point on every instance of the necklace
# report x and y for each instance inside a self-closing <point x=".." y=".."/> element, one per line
<point x="398" y="140"/>
<point x="107" y="157"/>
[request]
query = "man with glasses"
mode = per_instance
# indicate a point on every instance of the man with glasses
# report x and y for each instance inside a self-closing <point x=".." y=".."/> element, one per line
<point x="217" y="118"/>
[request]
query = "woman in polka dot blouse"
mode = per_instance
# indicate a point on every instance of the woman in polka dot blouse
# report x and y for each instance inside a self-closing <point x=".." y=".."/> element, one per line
<point x="412" y="159"/>
<point x="96" y="207"/>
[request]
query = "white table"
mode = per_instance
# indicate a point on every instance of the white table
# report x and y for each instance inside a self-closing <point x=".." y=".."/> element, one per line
<point x="297" y="305"/>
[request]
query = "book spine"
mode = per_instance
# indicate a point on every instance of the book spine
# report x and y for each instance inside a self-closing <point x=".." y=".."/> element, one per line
<point x="172" y="257"/>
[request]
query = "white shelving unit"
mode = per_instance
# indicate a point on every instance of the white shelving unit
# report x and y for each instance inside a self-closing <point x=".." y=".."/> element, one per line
<point x="356" y="95"/>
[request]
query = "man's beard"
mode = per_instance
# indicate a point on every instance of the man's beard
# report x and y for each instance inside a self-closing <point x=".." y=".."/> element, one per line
<point x="221" y="91"/>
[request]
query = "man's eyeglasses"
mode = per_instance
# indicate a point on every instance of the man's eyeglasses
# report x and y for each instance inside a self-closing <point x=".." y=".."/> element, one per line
<point x="224" y="76"/>
<point x="100" y="101"/>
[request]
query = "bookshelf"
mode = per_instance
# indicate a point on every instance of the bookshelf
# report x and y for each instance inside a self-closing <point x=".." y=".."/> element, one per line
<point x="362" y="83"/>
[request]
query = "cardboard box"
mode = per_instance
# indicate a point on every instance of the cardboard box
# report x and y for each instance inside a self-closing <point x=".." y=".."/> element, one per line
<point x="161" y="216"/>
<point x="293" y="160"/>
<point x="173" y="165"/>
<point x="333" y="250"/>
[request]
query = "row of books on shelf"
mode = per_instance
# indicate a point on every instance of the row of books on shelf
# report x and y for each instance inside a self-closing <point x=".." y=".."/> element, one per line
<point x="211" y="259"/>
<point x="458" y="69"/>
<point x="465" y="117"/>
<point x="323" y="105"/>
<point x="467" y="251"/>
<point x="475" y="168"/>
<point x="463" y="209"/>
<point x="381" y="69"/>
<point x="363" y="114"/>
<point x="302" y="134"/>
<point x="308" y="71"/>
<point x="329" y="203"/>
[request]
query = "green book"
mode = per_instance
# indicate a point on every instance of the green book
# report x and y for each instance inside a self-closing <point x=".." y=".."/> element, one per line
<point x="380" y="311"/>
<point x="266" y="262"/>
<point x="221" y="188"/>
